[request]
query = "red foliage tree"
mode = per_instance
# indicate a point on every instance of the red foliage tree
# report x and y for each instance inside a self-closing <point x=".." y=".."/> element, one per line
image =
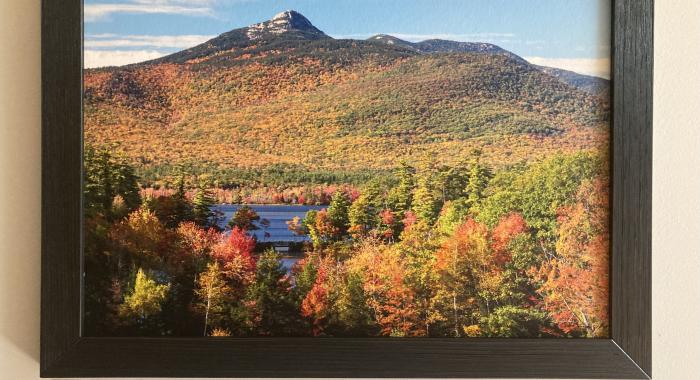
<point x="315" y="305"/>
<point x="388" y="225"/>
<point x="509" y="227"/>
<point x="235" y="253"/>
<point x="409" y="219"/>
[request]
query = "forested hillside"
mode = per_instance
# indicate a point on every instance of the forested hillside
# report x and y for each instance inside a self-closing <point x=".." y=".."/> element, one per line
<point x="255" y="97"/>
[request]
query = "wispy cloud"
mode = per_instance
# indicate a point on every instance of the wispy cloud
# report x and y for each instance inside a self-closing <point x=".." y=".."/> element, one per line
<point x="117" y="50"/>
<point x="599" y="67"/>
<point x="97" y="12"/>
<point x="470" y="37"/>
<point x="103" y="58"/>
<point x="143" y="41"/>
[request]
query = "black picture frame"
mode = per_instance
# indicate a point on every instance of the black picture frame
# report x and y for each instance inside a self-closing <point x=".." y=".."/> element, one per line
<point x="66" y="353"/>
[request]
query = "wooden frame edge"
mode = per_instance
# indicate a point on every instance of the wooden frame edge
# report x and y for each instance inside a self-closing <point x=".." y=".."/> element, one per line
<point x="65" y="354"/>
<point x="632" y="182"/>
<point x="61" y="67"/>
<point x="362" y="358"/>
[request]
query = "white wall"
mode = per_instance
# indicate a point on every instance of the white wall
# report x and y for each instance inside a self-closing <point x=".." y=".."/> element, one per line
<point x="676" y="203"/>
<point x="676" y="190"/>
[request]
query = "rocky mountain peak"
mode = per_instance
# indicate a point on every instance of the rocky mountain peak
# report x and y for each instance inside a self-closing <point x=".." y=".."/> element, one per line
<point x="287" y="21"/>
<point x="292" y="19"/>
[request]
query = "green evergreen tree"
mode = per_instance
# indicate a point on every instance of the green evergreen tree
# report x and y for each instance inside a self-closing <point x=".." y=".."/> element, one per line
<point x="179" y="186"/>
<point x="451" y="181"/>
<point x="338" y="211"/>
<point x="402" y="195"/>
<point x="479" y="177"/>
<point x="202" y="204"/>
<point x="304" y="278"/>
<point x="362" y="215"/>
<point x="426" y="204"/>
<point x="274" y="311"/>
<point x="127" y="186"/>
<point x="373" y="192"/>
<point x="106" y="177"/>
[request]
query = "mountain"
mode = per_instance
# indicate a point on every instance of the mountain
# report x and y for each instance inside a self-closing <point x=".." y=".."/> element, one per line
<point x="289" y="23"/>
<point x="284" y="96"/>
<point x="289" y="26"/>
<point x="443" y="46"/>
<point x="393" y="41"/>
<point x="590" y="84"/>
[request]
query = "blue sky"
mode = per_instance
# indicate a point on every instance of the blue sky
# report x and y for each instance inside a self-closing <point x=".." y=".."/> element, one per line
<point x="571" y="34"/>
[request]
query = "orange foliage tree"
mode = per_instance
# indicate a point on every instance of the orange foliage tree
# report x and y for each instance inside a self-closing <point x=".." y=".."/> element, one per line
<point x="501" y="236"/>
<point x="383" y="273"/>
<point x="576" y="283"/>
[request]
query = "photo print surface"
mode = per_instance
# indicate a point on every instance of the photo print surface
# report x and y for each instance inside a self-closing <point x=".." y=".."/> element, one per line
<point x="347" y="168"/>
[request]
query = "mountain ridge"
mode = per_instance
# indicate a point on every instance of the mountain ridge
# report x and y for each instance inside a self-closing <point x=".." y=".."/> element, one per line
<point x="293" y="26"/>
<point x="294" y="97"/>
<point x="444" y="46"/>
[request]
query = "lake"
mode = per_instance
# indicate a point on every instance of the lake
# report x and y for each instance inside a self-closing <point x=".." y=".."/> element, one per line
<point x="277" y="231"/>
<point x="277" y="215"/>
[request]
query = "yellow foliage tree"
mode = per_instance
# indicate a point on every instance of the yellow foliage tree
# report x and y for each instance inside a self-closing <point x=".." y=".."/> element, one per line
<point x="146" y="299"/>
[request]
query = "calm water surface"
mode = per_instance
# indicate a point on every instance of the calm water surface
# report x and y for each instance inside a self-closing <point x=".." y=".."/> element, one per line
<point x="276" y="231"/>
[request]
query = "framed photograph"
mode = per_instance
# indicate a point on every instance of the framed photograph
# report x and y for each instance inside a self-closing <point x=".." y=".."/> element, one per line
<point x="337" y="189"/>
